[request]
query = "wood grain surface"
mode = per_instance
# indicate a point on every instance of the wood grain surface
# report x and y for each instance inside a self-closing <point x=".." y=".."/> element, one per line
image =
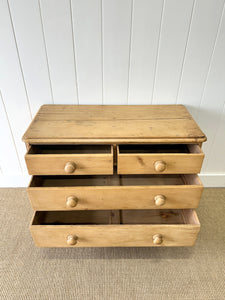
<point x="115" y="192"/>
<point x="56" y="123"/>
<point x="175" y="229"/>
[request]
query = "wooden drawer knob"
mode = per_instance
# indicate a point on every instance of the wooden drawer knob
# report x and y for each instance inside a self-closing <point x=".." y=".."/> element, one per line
<point x="160" y="166"/>
<point x="160" y="200"/>
<point x="70" y="167"/>
<point x="72" y="240"/>
<point x="157" y="239"/>
<point x="71" y="201"/>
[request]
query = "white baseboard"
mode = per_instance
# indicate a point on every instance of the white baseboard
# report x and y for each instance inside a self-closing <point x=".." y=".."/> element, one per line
<point x="208" y="180"/>
<point x="21" y="180"/>
<point x="213" y="179"/>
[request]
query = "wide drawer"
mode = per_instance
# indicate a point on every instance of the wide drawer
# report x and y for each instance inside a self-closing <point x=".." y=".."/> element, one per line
<point x="69" y="159"/>
<point x="128" y="228"/>
<point x="162" y="158"/>
<point x="114" y="192"/>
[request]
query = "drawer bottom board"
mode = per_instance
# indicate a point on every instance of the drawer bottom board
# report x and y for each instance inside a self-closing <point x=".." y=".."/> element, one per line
<point x="115" y="228"/>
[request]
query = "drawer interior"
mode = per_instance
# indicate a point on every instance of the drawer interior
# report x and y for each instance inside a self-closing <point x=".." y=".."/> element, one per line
<point x="115" y="180"/>
<point x="95" y="217"/>
<point x="159" y="148"/>
<point x="70" y="149"/>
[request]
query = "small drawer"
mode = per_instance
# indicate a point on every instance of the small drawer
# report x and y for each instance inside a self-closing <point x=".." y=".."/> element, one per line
<point x="69" y="159"/>
<point x="158" y="159"/>
<point x="115" y="192"/>
<point x="135" y="228"/>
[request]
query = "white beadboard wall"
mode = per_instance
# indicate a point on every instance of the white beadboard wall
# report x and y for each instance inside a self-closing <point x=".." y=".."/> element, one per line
<point x="111" y="52"/>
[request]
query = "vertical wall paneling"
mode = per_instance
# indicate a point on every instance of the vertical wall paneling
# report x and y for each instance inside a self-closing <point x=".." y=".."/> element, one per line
<point x="29" y="37"/>
<point x="12" y="85"/>
<point x="204" y="27"/>
<point x="88" y="48"/>
<point x="56" y="17"/>
<point x="111" y="52"/>
<point x="213" y="99"/>
<point x="216" y="163"/>
<point x="173" y="38"/>
<point x="8" y="156"/>
<point x="144" y="41"/>
<point x="116" y="21"/>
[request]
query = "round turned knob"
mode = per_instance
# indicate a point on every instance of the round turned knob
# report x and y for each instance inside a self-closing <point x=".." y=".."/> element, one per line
<point x="160" y="200"/>
<point x="157" y="239"/>
<point x="160" y="166"/>
<point x="71" y="201"/>
<point x="72" y="240"/>
<point x="70" y="167"/>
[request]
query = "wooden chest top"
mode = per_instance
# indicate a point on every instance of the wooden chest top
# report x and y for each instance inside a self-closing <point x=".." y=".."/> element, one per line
<point x="113" y="124"/>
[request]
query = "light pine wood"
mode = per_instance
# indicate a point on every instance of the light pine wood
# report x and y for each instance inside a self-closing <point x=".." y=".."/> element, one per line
<point x="72" y="240"/>
<point x="160" y="200"/>
<point x="117" y="193"/>
<point x="120" y="235"/>
<point x="80" y="217"/>
<point x="115" y="235"/>
<point x="27" y="146"/>
<point x="71" y="201"/>
<point x="70" y="167"/>
<point x="114" y="112"/>
<point x="160" y="166"/>
<point x="165" y="216"/>
<point x="67" y="141"/>
<point x="69" y="164"/>
<point x="83" y="201"/>
<point x="114" y="123"/>
<point x="160" y="163"/>
<point x="157" y="239"/>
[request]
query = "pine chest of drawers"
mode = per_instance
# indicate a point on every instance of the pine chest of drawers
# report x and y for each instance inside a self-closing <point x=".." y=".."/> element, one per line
<point x="114" y="176"/>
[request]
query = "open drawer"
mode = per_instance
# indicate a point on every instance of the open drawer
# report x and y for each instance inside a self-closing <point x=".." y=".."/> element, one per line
<point x="159" y="158"/>
<point x="115" y="192"/>
<point x="115" y="228"/>
<point x="69" y="159"/>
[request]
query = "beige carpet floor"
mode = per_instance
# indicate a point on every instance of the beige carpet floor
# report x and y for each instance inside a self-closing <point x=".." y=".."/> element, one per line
<point x="27" y="272"/>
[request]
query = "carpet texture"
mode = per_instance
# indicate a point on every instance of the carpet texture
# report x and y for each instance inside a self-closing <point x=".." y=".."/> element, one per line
<point x="27" y="272"/>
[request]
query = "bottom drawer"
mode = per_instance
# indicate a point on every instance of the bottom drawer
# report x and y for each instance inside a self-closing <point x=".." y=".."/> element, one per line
<point x="116" y="228"/>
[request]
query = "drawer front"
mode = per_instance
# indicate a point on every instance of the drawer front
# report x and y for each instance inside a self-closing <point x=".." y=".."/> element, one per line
<point x="82" y="198"/>
<point x="160" y="163"/>
<point x="70" y="164"/>
<point x="116" y="235"/>
<point x="116" y="197"/>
